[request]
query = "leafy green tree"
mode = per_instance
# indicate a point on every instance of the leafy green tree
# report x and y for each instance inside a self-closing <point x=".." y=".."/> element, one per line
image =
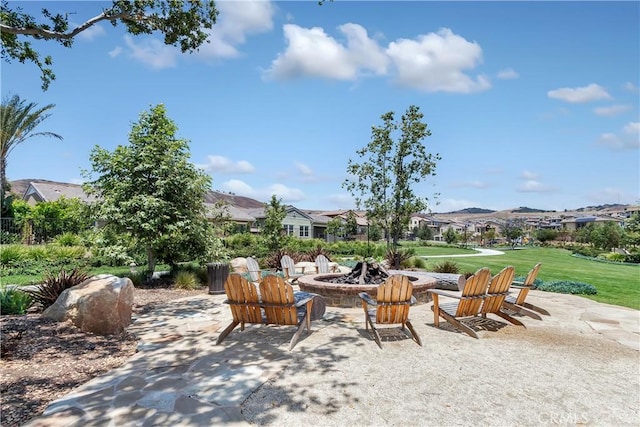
<point x="546" y="235"/>
<point x="183" y="24"/>
<point x="351" y="225"/>
<point x="513" y="231"/>
<point x="606" y="236"/>
<point x="424" y="232"/>
<point x="450" y="235"/>
<point x="382" y="181"/>
<point x="18" y="121"/>
<point x="272" y="231"/>
<point x="150" y="191"/>
<point x="632" y="230"/>
<point x="335" y="227"/>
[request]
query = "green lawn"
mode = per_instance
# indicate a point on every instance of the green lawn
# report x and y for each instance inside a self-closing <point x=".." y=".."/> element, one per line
<point x="617" y="284"/>
<point x="441" y="250"/>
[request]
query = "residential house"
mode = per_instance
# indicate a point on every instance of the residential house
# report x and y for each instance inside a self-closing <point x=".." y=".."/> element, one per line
<point x="296" y="223"/>
<point x="49" y="191"/>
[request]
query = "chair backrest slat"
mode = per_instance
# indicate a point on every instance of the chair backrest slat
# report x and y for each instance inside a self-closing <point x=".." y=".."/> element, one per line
<point x="278" y="301"/>
<point x="243" y="299"/>
<point x="322" y="264"/>
<point x="528" y="283"/>
<point x="473" y="292"/>
<point x="498" y="290"/>
<point x="254" y="269"/>
<point x="393" y="300"/>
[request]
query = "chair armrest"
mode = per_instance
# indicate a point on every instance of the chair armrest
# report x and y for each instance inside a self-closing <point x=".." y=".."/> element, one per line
<point x="367" y="298"/>
<point x="302" y="298"/>
<point x="444" y="293"/>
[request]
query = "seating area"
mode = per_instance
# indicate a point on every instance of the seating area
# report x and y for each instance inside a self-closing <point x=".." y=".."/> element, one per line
<point x="272" y="300"/>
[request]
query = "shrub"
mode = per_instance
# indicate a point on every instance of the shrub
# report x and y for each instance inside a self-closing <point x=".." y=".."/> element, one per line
<point x="14" y="301"/>
<point x="614" y="257"/>
<point x="401" y="256"/>
<point x="419" y="262"/>
<point x="11" y="254"/>
<point x="54" y="284"/>
<point x="568" y="287"/>
<point x="67" y="239"/>
<point x="186" y="280"/>
<point x="196" y="269"/>
<point x="446" y="267"/>
<point x="318" y="250"/>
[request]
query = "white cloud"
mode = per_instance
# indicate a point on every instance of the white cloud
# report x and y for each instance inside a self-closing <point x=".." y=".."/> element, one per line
<point x="92" y="32"/>
<point x="303" y="169"/>
<point x="533" y="186"/>
<point x="116" y="51"/>
<point x="579" y="95"/>
<point x="528" y="175"/>
<point x="470" y="184"/>
<point x="432" y="62"/>
<point x="436" y="62"/>
<point x="508" y="73"/>
<point x="225" y="165"/>
<point x="631" y="87"/>
<point x="152" y="52"/>
<point x="237" y="20"/>
<point x="287" y="194"/>
<point x="342" y="201"/>
<point x="312" y="52"/>
<point x="451" y="205"/>
<point x="611" y="110"/>
<point x="627" y="138"/>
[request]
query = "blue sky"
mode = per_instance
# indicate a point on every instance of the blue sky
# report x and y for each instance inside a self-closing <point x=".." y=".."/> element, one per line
<point x="529" y="103"/>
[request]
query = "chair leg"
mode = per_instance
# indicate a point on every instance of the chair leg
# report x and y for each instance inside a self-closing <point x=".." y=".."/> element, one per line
<point x="458" y="324"/>
<point x="413" y="332"/>
<point x="301" y="325"/>
<point x="521" y="310"/>
<point x="227" y="331"/>
<point x="536" y="308"/>
<point x="509" y="318"/>
<point x="436" y="311"/>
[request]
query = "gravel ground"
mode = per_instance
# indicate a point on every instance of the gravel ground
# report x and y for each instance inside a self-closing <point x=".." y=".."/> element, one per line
<point x="42" y="360"/>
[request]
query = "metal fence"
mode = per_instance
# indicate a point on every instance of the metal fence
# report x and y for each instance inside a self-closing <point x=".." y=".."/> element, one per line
<point x="29" y="232"/>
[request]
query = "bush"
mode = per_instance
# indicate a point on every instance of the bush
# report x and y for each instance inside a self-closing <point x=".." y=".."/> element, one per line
<point x="567" y="287"/>
<point x="11" y="254"/>
<point x="186" y="280"/>
<point x="446" y="267"/>
<point x="400" y="256"/>
<point x="614" y="257"/>
<point x="67" y="239"/>
<point x="14" y="301"/>
<point x="54" y="284"/>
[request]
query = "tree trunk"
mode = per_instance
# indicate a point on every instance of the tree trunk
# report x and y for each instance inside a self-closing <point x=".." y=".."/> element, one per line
<point x="151" y="262"/>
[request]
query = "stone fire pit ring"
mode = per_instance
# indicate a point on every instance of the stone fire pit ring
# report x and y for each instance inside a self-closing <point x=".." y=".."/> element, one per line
<point x="346" y="295"/>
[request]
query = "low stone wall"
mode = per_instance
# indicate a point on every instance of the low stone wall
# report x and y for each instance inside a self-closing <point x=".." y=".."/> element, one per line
<point x="346" y="296"/>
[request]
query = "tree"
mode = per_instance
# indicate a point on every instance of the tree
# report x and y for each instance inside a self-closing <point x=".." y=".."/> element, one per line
<point x="272" y="231"/>
<point x="631" y="235"/>
<point x="351" y="225"/>
<point x="150" y="191"/>
<point x="450" y="236"/>
<point x="18" y="121"/>
<point x="513" y="231"/>
<point x="545" y="235"/>
<point x="382" y="182"/>
<point x="606" y="236"/>
<point x="183" y="24"/>
<point x="335" y="227"/>
<point x="424" y="232"/>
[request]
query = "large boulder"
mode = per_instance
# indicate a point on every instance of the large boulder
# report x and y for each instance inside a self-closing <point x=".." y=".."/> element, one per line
<point x="239" y="265"/>
<point x="101" y="304"/>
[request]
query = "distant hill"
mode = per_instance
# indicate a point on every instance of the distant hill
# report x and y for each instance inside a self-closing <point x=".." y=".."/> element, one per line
<point x="19" y="186"/>
<point x="523" y="209"/>
<point x="467" y="211"/>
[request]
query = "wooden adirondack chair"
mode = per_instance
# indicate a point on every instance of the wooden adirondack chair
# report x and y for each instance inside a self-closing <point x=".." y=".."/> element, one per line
<point x="254" y="270"/>
<point x="322" y="264"/>
<point x="468" y="304"/>
<point x="244" y="301"/>
<point x="518" y="303"/>
<point x="497" y="292"/>
<point x="289" y="269"/>
<point x="391" y="306"/>
<point x="281" y="308"/>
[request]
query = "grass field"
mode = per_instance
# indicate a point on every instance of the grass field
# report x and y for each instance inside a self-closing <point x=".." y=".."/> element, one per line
<point x="617" y="284"/>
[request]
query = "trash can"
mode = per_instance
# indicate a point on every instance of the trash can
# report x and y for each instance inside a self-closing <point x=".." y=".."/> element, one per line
<point x="217" y="273"/>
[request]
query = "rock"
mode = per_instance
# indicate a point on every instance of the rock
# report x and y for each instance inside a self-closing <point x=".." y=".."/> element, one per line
<point x="101" y="304"/>
<point x="448" y="281"/>
<point x="239" y="265"/>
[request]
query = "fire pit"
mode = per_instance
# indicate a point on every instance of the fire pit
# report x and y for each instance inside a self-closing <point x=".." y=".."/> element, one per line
<point x="341" y="290"/>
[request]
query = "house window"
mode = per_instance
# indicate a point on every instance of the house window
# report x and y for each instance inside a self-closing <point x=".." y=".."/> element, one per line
<point x="304" y="231"/>
<point x="288" y="229"/>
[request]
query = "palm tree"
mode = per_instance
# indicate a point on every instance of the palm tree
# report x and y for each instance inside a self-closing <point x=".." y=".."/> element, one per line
<point x="18" y="119"/>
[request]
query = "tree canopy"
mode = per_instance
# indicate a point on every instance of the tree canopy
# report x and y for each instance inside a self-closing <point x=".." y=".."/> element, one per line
<point x="383" y="180"/>
<point x="272" y="231"/>
<point x="150" y="191"/>
<point x="183" y="24"/>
